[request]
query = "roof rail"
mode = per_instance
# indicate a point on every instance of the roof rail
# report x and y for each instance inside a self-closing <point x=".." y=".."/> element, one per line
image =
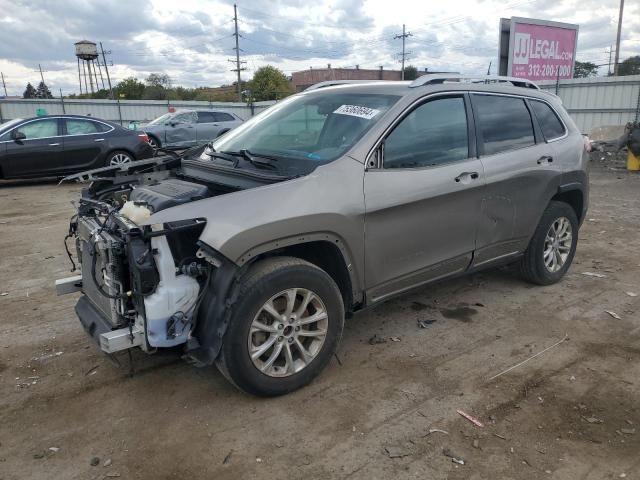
<point x="331" y="83"/>
<point x="437" y="79"/>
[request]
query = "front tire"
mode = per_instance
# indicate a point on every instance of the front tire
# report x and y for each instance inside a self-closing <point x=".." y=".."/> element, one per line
<point x="284" y="328"/>
<point x="553" y="245"/>
<point x="154" y="142"/>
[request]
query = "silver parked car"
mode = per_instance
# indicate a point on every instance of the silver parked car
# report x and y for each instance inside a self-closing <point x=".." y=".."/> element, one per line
<point x="187" y="128"/>
<point x="251" y="251"/>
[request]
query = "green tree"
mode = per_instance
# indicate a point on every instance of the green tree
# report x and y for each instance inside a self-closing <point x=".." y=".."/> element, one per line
<point x="43" y="91"/>
<point x="130" y="88"/>
<point x="269" y="83"/>
<point x="630" y="66"/>
<point x="29" y="92"/>
<point x="158" y="80"/>
<point x="585" y="69"/>
<point x="410" y="72"/>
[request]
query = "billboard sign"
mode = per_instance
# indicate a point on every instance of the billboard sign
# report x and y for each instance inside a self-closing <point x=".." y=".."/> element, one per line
<point x="537" y="49"/>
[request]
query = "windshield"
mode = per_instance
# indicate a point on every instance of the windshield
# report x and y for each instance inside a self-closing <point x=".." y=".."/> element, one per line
<point x="308" y="129"/>
<point x="7" y="125"/>
<point x="164" y="118"/>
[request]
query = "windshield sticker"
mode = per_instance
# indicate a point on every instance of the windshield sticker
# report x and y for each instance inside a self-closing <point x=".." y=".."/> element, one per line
<point x="357" y="111"/>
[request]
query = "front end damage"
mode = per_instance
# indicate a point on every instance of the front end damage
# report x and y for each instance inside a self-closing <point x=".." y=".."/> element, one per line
<point x="150" y="285"/>
<point x="135" y="293"/>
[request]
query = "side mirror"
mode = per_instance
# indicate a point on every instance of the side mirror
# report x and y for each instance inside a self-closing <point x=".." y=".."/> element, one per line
<point x="17" y="135"/>
<point x="173" y="124"/>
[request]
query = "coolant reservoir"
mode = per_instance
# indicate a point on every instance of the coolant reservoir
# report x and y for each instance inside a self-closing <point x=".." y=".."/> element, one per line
<point x="136" y="213"/>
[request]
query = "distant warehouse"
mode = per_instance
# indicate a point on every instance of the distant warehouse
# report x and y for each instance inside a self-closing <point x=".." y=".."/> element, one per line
<point x="306" y="78"/>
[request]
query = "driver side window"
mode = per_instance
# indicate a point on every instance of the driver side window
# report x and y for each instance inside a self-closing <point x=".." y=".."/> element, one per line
<point x="40" y="129"/>
<point x="434" y="133"/>
<point x="186" y="117"/>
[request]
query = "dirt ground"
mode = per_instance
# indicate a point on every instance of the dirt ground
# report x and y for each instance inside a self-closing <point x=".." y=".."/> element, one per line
<point x="573" y="412"/>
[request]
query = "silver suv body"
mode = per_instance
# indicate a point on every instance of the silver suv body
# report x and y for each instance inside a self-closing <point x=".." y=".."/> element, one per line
<point x="187" y="128"/>
<point x="252" y="251"/>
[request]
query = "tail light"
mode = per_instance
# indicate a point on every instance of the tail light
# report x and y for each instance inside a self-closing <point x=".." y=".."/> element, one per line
<point x="143" y="137"/>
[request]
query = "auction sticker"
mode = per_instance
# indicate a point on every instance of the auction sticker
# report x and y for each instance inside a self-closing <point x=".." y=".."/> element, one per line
<point x="357" y="111"/>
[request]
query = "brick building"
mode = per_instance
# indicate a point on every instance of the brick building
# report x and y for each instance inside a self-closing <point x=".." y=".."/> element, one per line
<point x="306" y="78"/>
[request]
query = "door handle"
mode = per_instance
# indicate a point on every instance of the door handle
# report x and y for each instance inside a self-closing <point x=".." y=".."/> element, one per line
<point x="54" y="144"/>
<point x="463" y="175"/>
<point x="545" y="159"/>
<point x="99" y="140"/>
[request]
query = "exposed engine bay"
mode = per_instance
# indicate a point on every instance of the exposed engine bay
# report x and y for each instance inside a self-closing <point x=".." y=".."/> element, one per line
<point x="143" y="284"/>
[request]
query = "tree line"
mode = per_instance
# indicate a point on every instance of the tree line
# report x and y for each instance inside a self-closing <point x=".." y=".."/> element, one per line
<point x="268" y="83"/>
<point x="629" y="66"/>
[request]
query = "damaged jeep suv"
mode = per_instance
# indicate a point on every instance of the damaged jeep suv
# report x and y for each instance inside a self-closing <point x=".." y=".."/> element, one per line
<point x="251" y="251"/>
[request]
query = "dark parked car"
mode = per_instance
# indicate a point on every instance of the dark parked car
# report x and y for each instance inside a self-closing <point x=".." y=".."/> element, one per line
<point x="64" y="144"/>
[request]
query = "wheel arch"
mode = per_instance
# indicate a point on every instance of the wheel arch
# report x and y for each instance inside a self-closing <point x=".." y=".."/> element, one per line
<point x="573" y="195"/>
<point x="324" y="250"/>
<point x="155" y="137"/>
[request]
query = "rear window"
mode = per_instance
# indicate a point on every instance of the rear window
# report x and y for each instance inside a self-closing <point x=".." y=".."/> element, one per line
<point x="505" y="123"/>
<point x="548" y="120"/>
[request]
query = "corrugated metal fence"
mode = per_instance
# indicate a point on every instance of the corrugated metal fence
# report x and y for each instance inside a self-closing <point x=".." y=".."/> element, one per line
<point x="123" y="111"/>
<point x="592" y="102"/>
<point x="599" y="101"/>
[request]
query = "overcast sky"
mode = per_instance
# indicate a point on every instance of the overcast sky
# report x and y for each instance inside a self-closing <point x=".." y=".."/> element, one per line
<point x="191" y="40"/>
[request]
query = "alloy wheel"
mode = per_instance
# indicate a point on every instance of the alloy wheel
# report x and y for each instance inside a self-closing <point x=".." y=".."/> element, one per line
<point x="288" y="332"/>
<point x="119" y="159"/>
<point x="557" y="244"/>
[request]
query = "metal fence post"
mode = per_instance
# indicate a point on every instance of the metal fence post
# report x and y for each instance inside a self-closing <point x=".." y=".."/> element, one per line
<point x="64" y="112"/>
<point x="1" y="119"/>
<point x="119" y="111"/>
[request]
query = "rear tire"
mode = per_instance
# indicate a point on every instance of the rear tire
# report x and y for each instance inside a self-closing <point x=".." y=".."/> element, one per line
<point x="553" y="245"/>
<point x="119" y="158"/>
<point x="272" y="346"/>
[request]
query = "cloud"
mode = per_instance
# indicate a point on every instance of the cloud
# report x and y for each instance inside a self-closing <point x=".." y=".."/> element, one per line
<point x="191" y="40"/>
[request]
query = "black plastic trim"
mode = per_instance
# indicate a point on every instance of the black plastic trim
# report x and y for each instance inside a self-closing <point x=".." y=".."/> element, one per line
<point x="91" y="319"/>
<point x="567" y="187"/>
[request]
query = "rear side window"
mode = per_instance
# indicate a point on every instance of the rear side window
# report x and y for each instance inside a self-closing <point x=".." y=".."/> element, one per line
<point x="432" y="134"/>
<point x="548" y="120"/>
<point x="223" y="117"/>
<point x="206" y="117"/>
<point x="505" y="123"/>
<point x="83" y="127"/>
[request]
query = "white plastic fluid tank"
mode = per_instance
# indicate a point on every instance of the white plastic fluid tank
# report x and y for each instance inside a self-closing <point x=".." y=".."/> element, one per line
<point x="175" y="293"/>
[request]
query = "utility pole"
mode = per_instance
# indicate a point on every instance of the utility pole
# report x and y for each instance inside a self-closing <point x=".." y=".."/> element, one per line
<point x="4" y="85"/>
<point x="238" y="63"/>
<point x="610" y="52"/>
<point x="106" y="68"/>
<point x="41" y="75"/>
<point x="404" y="36"/>
<point x="615" y="66"/>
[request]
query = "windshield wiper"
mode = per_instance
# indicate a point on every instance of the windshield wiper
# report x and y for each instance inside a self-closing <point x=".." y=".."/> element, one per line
<point x="253" y="158"/>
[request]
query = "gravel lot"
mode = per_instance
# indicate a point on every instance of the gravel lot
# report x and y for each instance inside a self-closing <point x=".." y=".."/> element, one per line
<point x="571" y="413"/>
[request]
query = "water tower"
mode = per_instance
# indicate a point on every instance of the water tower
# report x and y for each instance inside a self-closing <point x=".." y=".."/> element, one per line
<point x="87" y="54"/>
